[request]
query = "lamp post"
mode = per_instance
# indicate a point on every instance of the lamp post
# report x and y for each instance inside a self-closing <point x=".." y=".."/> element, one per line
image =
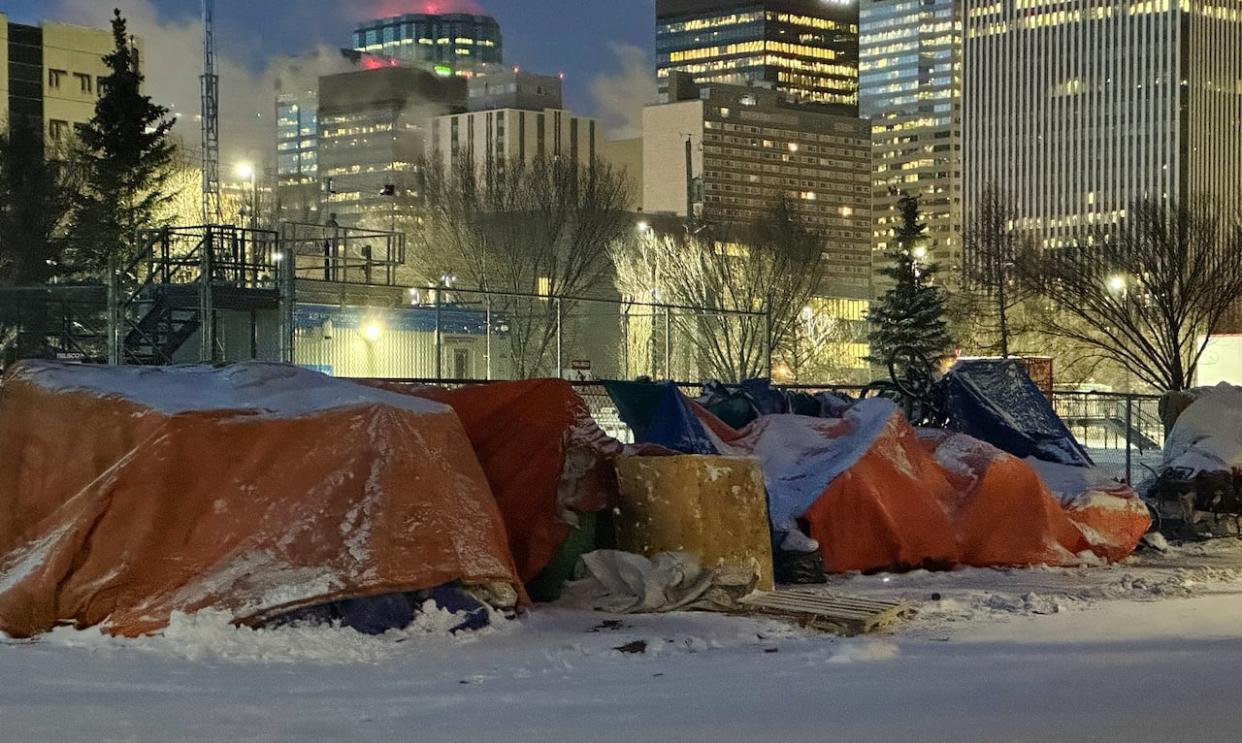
<point x="246" y="172"/>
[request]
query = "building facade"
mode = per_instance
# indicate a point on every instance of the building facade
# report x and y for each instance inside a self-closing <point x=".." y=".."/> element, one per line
<point x="449" y="44"/>
<point x="752" y="147"/>
<point x="372" y="135"/>
<point x="512" y="117"/>
<point x="910" y="89"/>
<point x="50" y="76"/>
<point x="1075" y="110"/>
<point x="298" y="191"/>
<point x="805" y="48"/>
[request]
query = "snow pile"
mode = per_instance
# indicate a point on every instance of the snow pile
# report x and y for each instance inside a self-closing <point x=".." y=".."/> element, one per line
<point x="211" y="635"/>
<point x="1208" y="435"/>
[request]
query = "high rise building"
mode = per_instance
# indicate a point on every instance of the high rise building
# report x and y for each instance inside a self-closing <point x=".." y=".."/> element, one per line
<point x="449" y="44"/>
<point x="806" y="48"/>
<point x="297" y="155"/>
<point x="1074" y="110"/>
<point x="910" y="89"/>
<point x="372" y="136"/>
<point x="50" y="76"/>
<point x="752" y="147"/>
<point x="513" y="117"/>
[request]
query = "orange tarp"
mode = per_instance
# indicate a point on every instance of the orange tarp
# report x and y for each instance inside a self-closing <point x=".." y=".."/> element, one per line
<point x="129" y="494"/>
<point x="879" y="495"/>
<point x="544" y="456"/>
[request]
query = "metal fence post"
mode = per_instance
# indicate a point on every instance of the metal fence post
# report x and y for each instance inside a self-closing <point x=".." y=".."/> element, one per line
<point x="668" y="343"/>
<point x="767" y="334"/>
<point x="439" y="334"/>
<point x="114" y="317"/>
<point x="1129" y="437"/>
<point x="489" y="337"/>
<point x="560" y="340"/>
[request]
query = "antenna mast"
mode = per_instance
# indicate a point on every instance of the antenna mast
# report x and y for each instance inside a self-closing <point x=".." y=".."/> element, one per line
<point x="211" y="118"/>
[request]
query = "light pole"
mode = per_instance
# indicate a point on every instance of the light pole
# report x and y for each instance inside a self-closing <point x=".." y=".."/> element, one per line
<point x="246" y="171"/>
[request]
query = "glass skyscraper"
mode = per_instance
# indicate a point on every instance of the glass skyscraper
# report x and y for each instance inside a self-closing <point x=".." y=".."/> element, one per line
<point x="449" y="44"/>
<point x="910" y="88"/>
<point x="806" y="48"/>
<point x="1075" y="109"/>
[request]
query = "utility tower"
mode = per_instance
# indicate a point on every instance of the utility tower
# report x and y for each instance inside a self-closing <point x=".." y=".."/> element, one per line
<point x="211" y="118"/>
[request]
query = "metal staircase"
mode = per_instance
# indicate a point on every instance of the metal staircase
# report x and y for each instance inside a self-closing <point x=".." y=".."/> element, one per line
<point x="171" y="291"/>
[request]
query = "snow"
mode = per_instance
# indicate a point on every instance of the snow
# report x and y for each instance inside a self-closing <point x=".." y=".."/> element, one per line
<point x="1146" y="650"/>
<point x="276" y="390"/>
<point x="1208" y="434"/>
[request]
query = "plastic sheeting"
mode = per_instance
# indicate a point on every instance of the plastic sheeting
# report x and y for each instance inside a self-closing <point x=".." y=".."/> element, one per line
<point x="994" y="400"/>
<point x="129" y="494"/>
<point x="544" y="456"/>
<point x="659" y="414"/>
<point x="876" y="494"/>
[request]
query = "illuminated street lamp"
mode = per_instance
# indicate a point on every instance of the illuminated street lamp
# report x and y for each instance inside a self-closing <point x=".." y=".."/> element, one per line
<point x="246" y="172"/>
<point x="1116" y="283"/>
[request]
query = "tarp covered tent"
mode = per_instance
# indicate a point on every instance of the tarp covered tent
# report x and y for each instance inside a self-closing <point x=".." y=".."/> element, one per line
<point x="875" y="494"/>
<point x="995" y="400"/>
<point x="128" y="494"/>
<point x="544" y="456"/>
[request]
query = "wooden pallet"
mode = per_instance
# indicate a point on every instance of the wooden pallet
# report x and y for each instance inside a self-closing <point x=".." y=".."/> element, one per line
<point x="828" y="612"/>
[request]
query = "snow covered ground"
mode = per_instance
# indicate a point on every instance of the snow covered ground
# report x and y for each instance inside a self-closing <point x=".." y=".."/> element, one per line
<point x="1144" y="651"/>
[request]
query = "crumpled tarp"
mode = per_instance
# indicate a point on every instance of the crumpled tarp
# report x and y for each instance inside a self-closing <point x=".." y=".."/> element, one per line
<point x="1208" y="434"/>
<point x="131" y="493"/>
<point x="875" y="494"/>
<point x="545" y="458"/>
<point x="994" y="400"/>
<point x="626" y="583"/>
<point x="659" y="414"/>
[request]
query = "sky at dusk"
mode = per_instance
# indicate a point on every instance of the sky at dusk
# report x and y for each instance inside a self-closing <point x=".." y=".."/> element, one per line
<point x="600" y="45"/>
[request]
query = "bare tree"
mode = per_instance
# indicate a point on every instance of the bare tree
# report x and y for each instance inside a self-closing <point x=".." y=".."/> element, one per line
<point x="735" y="276"/>
<point x="544" y="230"/>
<point x="1148" y="294"/>
<point x="994" y="294"/>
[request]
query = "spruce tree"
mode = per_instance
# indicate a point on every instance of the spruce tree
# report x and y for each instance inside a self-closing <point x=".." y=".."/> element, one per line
<point x="911" y="313"/>
<point x="128" y="158"/>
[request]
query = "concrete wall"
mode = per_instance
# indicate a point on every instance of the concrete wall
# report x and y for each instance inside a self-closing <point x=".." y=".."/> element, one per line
<point x="664" y="154"/>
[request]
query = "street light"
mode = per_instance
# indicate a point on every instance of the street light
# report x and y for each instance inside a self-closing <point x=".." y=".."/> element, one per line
<point x="246" y="172"/>
<point x="1117" y="283"/>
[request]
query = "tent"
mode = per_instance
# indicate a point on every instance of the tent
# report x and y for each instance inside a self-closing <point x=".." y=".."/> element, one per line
<point x="875" y="493"/>
<point x="131" y="493"/>
<point x="545" y="458"/>
<point x="996" y="401"/>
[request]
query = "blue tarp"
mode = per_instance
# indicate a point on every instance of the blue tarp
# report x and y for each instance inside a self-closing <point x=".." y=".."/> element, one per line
<point x="659" y="414"/>
<point x="995" y="401"/>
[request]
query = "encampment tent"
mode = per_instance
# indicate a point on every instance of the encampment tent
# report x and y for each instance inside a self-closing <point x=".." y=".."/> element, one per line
<point x="127" y="494"/>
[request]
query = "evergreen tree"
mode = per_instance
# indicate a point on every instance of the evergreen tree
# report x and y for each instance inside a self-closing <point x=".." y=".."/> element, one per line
<point x="911" y="313"/>
<point x="36" y="201"/>
<point x="128" y="158"/>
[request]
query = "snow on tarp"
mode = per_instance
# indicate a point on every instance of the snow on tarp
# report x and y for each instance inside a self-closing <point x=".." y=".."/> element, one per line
<point x="129" y="494"/>
<point x="876" y="494"/>
<point x="995" y="400"/>
<point x="1208" y="434"/>
<point x="545" y="458"/>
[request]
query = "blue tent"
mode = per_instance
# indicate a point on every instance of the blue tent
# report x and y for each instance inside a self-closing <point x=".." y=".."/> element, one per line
<point x="995" y="400"/>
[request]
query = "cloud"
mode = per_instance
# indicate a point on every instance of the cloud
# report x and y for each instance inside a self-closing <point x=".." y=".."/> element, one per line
<point x="621" y="95"/>
<point x="389" y="8"/>
<point x="172" y="62"/>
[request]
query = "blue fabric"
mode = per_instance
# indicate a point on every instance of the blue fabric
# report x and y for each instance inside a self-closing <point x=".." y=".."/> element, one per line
<point x="995" y="401"/>
<point x="767" y="400"/>
<point x="799" y="461"/>
<point x="659" y="414"/>
<point x="375" y="615"/>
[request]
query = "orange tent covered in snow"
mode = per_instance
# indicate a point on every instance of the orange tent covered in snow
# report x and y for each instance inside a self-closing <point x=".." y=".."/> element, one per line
<point x="128" y="494"/>
<point x="545" y="458"/>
